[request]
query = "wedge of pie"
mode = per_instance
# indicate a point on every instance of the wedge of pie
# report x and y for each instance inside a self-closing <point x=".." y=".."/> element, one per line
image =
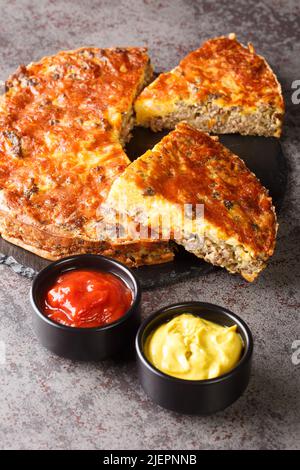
<point x="223" y="87"/>
<point x="188" y="173"/>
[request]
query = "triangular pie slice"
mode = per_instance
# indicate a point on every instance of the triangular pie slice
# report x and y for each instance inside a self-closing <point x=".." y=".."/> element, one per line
<point x="188" y="171"/>
<point x="63" y="121"/>
<point x="222" y="87"/>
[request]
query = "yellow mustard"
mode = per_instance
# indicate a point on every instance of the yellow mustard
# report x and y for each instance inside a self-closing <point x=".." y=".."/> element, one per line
<point x="191" y="348"/>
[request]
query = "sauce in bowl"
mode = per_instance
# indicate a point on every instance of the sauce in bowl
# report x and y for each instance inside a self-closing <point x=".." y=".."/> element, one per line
<point x="86" y="299"/>
<point x="191" y="348"/>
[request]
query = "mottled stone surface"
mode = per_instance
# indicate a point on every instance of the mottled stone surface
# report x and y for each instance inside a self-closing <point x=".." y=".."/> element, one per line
<point x="47" y="402"/>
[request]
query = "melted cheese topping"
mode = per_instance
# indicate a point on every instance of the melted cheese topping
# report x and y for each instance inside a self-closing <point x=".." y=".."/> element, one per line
<point x="60" y="123"/>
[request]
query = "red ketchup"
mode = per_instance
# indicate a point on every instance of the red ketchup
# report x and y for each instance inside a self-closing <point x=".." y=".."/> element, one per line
<point x="86" y="299"/>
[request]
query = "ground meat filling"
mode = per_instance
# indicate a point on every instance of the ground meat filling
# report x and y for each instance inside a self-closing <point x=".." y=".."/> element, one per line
<point x="128" y="118"/>
<point x="210" y="117"/>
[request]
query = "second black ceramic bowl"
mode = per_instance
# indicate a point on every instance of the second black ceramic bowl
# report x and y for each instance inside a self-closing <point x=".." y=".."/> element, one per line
<point x="85" y="343"/>
<point x="202" y="397"/>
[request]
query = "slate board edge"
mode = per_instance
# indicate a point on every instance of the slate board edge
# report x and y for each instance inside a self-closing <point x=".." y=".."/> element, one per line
<point x="17" y="267"/>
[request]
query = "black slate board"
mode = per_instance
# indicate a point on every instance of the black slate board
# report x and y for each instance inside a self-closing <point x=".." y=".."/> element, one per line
<point x="262" y="155"/>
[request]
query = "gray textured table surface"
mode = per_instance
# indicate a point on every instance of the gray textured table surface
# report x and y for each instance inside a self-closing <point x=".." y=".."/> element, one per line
<point x="47" y="402"/>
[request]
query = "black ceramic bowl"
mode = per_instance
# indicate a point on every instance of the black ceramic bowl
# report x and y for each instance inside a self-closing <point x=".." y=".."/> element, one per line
<point x="85" y="343"/>
<point x="202" y="397"/>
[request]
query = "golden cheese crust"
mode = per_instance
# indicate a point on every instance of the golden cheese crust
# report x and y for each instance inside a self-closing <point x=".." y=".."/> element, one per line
<point x="223" y="72"/>
<point x="190" y="167"/>
<point x="60" y="124"/>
